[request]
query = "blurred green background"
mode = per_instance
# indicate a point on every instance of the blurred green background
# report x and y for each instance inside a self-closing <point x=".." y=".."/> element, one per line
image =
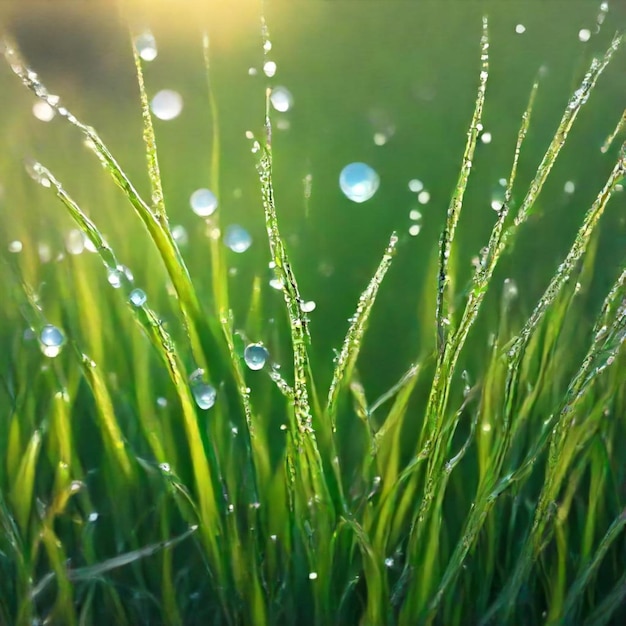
<point x="406" y="71"/>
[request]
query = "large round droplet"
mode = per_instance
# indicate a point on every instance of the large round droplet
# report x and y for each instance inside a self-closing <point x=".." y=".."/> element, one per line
<point x="281" y="99"/>
<point x="167" y="104"/>
<point x="51" y="340"/>
<point x="203" y="202"/>
<point x="255" y="355"/>
<point x="237" y="238"/>
<point x="359" y="182"/>
<point x="138" y="297"/>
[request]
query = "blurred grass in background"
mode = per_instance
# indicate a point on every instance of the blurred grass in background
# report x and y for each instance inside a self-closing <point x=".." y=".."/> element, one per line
<point x="114" y="462"/>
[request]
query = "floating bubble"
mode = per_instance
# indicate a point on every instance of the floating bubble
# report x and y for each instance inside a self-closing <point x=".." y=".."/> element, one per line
<point x="416" y="185"/>
<point x="43" y="111"/>
<point x="359" y="182"/>
<point x="255" y="355"/>
<point x="75" y="241"/>
<point x="16" y="246"/>
<point x="167" y="104"/>
<point x="237" y="238"/>
<point x="497" y="199"/>
<point x="203" y="202"/>
<point x="138" y="297"/>
<point x="281" y="99"/>
<point x="146" y="46"/>
<point x="584" y="34"/>
<point x="269" y="68"/>
<point x="51" y="340"/>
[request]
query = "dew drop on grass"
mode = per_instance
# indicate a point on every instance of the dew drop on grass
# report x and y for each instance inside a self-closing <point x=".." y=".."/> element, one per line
<point x="281" y="99"/>
<point x="146" y="46"/>
<point x="203" y="202"/>
<point x="255" y="355"/>
<point x="51" y="340"/>
<point x="359" y="182"/>
<point x="92" y="517"/>
<point x="414" y="230"/>
<point x="43" y="111"/>
<point x="16" y="246"/>
<point x="569" y="187"/>
<point x="308" y="306"/>
<point x="584" y="34"/>
<point x="167" y="104"/>
<point x="114" y="276"/>
<point x="138" y="297"/>
<point x="237" y="238"/>
<point x="520" y="29"/>
<point x="312" y="575"/>
<point x="389" y="562"/>
<point x="276" y="283"/>
<point x="204" y="394"/>
<point x="415" y="215"/>
<point x="486" y="137"/>
<point x="165" y="467"/>
<point x="161" y="402"/>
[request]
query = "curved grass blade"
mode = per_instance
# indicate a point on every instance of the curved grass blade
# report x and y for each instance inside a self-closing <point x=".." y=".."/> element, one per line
<point x="354" y="337"/>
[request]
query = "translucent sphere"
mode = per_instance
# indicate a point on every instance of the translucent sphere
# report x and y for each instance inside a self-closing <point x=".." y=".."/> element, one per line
<point x="255" y="355"/>
<point x="203" y="202"/>
<point x="237" y="238"/>
<point x="359" y="182"/>
<point x="167" y="104"/>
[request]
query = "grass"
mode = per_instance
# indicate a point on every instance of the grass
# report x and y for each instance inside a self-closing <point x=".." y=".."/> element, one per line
<point x="118" y="508"/>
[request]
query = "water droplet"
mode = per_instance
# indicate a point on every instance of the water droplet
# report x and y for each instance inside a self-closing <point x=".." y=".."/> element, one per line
<point x="281" y="99"/>
<point x="43" y="111"/>
<point x="307" y="307"/>
<point x="237" y="238"/>
<point x="269" y="68"/>
<point x="497" y="199"/>
<point x="92" y="517"/>
<point x="312" y="575"/>
<point x="204" y="394"/>
<point x="167" y="104"/>
<point x="389" y="562"/>
<point x="569" y="187"/>
<point x="16" y="246"/>
<point x="520" y="29"/>
<point x="138" y="297"/>
<point x="75" y="241"/>
<point x="416" y="185"/>
<point x="358" y="181"/>
<point x="255" y="355"/>
<point x="179" y="233"/>
<point x="203" y="202"/>
<point x="415" y="215"/>
<point x="161" y="402"/>
<point x="276" y="283"/>
<point x="584" y="34"/>
<point x="252" y="71"/>
<point x="423" y="197"/>
<point x="114" y="276"/>
<point x="51" y="340"/>
<point x="44" y="251"/>
<point x="146" y="46"/>
<point x="165" y="467"/>
<point x="380" y="139"/>
<point x="414" y="230"/>
<point x="486" y="137"/>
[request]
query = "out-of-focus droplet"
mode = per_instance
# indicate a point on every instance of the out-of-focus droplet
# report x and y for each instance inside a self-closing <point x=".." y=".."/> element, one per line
<point x="203" y="202"/>
<point x="146" y="46"/>
<point x="43" y="111"/>
<point x="237" y="238"/>
<point x="281" y="99"/>
<point x="167" y="104"/>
